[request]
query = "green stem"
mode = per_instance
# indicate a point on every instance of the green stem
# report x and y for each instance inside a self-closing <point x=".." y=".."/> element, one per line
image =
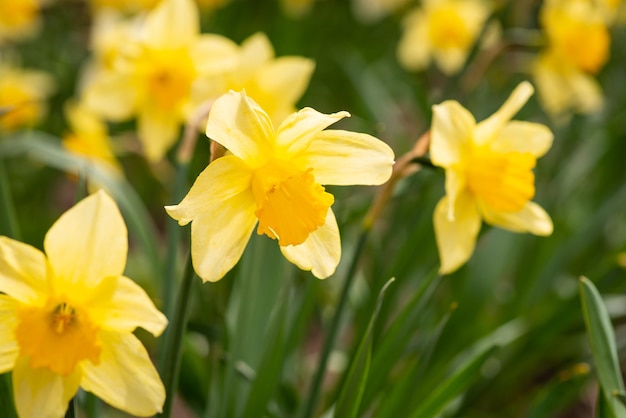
<point x="177" y="328"/>
<point x="6" y="396"/>
<point x="316" y="386"/>
<point x="7" y="207"/>
<point x="71" y="409"/>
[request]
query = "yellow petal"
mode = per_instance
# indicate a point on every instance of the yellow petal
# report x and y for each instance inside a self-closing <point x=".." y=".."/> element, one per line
<point x="587" y="96"/>
<point x="88" y="242"/>
<point x="39" y="393"/>
<point x="344" y="158"/>
<point x="157" y="130"/>
<point x="450" y="60"/>
<point x="214" y="55"/>
<point x="455" y="183"/>
<point x="451" y="133"/>
<point x="222" y="179"/>
<point x="22" y="271"/>
<point x="414" y="49"/>
<point x="487" y="130"/>
<point x="532" y="218"/>
<point x="111" y="95"/>
<point x="172" y="24"/>
<point x="456" y="238"/>
<point x="518" y="136"/>
<point x="8" y="344"/>
<point x="300" y="128"/>
<point x="119" y="304"/>
<point x="241" y="126"/>
<point x="125" y="378"/>
<point x="284" y="80"/>
<point x="220" y="234"/>
<point x="255" y="51"/>
<point x="321" y="251"/>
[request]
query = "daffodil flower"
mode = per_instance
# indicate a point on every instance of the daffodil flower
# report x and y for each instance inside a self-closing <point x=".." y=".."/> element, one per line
<point x="443" y="31"/>
<point x="68" y="317"/>
<point x="488" y="175"/>
<point x="274" y="177"/>
<point x="156" y="72"/>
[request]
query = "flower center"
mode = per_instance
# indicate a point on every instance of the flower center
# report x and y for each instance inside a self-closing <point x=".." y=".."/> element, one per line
<point x="504" y="181"/>
<point x="447" y="29"/>
<point x="169" y="74"/>
<point x="584" y="44"/>
<point x="290" y="204"/>
<point x="57" y="336"/>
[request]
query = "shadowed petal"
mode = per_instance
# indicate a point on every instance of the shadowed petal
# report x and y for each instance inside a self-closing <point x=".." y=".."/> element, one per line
<point x="451" y="132"/>
<point x="345" y="158"/>
<point x="456" y="238"/>
<point x="22" y="271"/>
<point x="125" y="377"/>
<point x="241" y="126"/>
<point x="88" y="242"/>
<point x="532" y="218"/>
<point x="299" y="129"/>
<point x="321" y="251"/>
<point x="220" y="234"/>
<point x="40" y="393"/>
<point x="8" y="343"/>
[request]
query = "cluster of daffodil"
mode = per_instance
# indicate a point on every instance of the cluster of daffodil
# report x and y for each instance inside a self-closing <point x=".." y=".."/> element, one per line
<point x="69" y="313"/>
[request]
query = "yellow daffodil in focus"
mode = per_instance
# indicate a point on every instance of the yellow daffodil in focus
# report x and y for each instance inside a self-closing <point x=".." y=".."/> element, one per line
<point x="274" y="177"/>
<point x="23" y="95"/>
<point x="89" y="137"/>
<point x="19" y="19"/>
<point x="68" y="317"/>
<point x="578" y="47"/>
<point x="488" y="175"/>
<point x="443" y="31"/>
<point x="155" y="73"/>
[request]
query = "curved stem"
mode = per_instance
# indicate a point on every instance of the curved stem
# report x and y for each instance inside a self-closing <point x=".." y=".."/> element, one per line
<point x="7" y="208"/>
<point x="174" y="342"/>
<point x="316" y="386"/>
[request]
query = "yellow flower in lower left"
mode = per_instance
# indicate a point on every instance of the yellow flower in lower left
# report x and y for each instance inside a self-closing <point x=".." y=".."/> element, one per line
<point x="67" y="317"/>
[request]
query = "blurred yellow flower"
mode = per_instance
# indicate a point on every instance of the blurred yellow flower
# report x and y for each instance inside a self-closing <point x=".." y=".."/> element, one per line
<point x="23" y="95"/>
<point x="88" y="136"/>
<point x="124" y="5"/>
<point x="488" y="175"/>
<point x="276" y="84"/>
<point x="274" y="178"/>
<point x="19" y="19"/>
<point x="68" y="317"/>
<point x="296" y="8"/>
<point x="155" y="72"/>
<point x="443" y="31"/>
<point x="578" y="47"/>
<point x="370" y="11"/>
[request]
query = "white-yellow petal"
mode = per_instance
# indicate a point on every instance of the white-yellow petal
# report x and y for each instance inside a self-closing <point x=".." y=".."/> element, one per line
<point x="111" y="95"/>
<point x="456" y="238"/>
<point x="172" y="24"/>
<point x="157" y="130"/>
<point x="241" y="126"/>
<point x="450" y="60"/>
<point x="8" y="343"/>
<point x="321" y="251"/>
<point x="125" y="377"/>
<point x="299" y="129"/>
<point x="40" y="393"/>
<point x="224" y="178"/>
<point x="214" y="55"/>
<point x="255" y="51"/>
<point x="22" y="271"/>
<point x="119" y="304"/>
<point x="519" y="136"/>
<point x="414" y="49"/>
<point x="344" y="158"/>
<point x="451" y="133"/>
<point x="487" y="130"/>
<point x="88" y="242"/>
<point x="220" y="234"/>
<point x="532" y="218"/>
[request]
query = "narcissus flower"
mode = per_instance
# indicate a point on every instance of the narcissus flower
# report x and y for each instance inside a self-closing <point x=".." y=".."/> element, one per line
<point x="443" y="31"/>
<point x="578" y="47"/>
<point x="156" y="71"/>
<point x="488" y="175"/>
<point x="274" y="177"/>
<point x="23" y="95"/>
<point x="68" y="317"/>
